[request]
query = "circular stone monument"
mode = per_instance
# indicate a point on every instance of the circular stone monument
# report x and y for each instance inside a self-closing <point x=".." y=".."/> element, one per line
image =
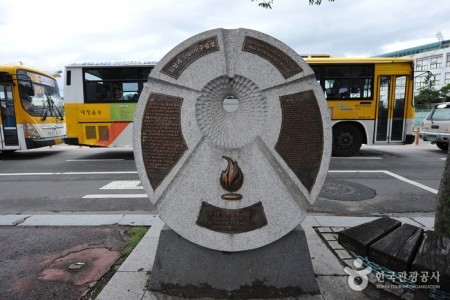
<point x="232" y="139"/>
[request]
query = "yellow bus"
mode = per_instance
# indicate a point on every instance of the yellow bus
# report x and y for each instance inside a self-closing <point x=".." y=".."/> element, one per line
<point x="100" y="99"/>
<point x="32" y="110"/>
<point x="370" y="100"/>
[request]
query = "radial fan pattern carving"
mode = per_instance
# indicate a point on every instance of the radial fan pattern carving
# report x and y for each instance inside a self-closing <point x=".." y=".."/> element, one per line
<point x="231" y="129"/>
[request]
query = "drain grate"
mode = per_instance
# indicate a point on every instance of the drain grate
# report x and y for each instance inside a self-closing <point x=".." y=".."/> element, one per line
<point x="343" y="190"/>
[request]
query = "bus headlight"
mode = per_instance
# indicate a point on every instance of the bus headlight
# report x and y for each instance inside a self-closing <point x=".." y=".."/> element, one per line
<point x="30" y="132"/>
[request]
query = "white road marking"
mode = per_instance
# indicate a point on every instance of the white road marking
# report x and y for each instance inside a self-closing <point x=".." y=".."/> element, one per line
<point x="415" y="183"/>
<point x="359" y="157"/>
<point x="123" y="185"/>
<point x="26" y="174"/>
<point x="119" y="185"/>
<point x="114" y="196"/>
<point x="67" y="173"/>
<point x="422" y="186"/>
<point x="98" y="173"/>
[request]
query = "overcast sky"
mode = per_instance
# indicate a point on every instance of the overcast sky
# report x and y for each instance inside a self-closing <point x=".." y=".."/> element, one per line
<point x="49" y="34"/>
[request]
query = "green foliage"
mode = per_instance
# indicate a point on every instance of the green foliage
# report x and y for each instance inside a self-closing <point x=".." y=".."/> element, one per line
<point x="317" y="2"/>
<point x="445" y="92"/>
<point x="426" y="98"/>
<point x="265" y="3"/>
<point x="135" y="234"/>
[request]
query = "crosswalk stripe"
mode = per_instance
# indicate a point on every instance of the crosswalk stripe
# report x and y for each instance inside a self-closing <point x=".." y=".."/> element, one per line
<point x="123" y="185"/>
<point x="114" y="196"/>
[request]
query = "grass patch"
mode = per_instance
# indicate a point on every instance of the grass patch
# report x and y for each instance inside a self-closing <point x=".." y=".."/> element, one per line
<point x="136" y="234"/>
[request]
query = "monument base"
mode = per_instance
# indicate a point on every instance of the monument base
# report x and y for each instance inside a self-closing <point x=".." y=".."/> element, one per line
<point x="280" y="269"/>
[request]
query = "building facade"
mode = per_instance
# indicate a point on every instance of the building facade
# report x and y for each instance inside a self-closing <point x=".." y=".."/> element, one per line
<point x="432" y="64"/>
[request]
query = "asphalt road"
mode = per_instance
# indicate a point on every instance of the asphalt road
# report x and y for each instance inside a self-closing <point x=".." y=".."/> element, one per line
<point x="67" y="179"/>
<point x="404" y="179"/>
<point x="70" y="179"/>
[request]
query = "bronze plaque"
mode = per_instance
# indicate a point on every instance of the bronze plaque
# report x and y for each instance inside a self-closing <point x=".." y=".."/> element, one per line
<point x="300" y="142"/>
<point x="283" y="62"/>
<point x="182" y="60"/>
<point x="232" y="220"/>
<point x="162" y="140"/>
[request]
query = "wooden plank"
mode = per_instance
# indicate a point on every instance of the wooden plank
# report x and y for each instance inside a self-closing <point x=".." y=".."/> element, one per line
<point x="433" y="257"/>
<point x="396" y="250"/>
<point x="359" y="238"/>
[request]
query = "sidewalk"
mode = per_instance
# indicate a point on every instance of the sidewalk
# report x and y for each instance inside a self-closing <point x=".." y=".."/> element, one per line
<point x="328" y="258"/>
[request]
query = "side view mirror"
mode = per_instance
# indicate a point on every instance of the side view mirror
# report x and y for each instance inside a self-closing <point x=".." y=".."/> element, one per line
<point x="29" y="89"/>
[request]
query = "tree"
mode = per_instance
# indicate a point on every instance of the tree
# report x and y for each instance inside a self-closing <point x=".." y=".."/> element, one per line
<point x="268" y="3"/>
<point x="427" y="97"/>
<point x="442" y="217"/>
<point x="445" y="92"/>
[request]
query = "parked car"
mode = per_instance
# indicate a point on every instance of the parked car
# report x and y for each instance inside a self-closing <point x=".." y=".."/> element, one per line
<point x="436" y="126"/>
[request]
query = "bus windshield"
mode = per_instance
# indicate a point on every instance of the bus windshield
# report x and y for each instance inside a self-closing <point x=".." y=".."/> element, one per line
<point x="45" y="101"/>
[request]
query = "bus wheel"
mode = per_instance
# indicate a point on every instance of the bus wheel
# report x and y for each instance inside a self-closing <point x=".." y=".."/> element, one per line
<point x="442" y="146"/>
<point x="347" y="140"/>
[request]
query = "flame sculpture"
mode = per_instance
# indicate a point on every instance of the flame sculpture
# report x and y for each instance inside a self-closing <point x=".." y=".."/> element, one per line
<point x="231" y="179"/>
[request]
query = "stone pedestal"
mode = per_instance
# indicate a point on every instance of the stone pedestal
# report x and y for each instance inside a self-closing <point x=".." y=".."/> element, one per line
<point x="280" y="269"/>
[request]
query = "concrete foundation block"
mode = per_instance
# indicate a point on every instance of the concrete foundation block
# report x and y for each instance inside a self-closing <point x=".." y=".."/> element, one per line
<point x="280" y="269"/>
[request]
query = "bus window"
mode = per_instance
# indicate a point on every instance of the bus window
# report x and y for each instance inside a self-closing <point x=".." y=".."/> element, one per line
<point x="106" y="85"/>
<point x="131" y="91"/>
<point x="42" y="98"/>
<point x="399" y="108"/>
<point x="7" y="107"/>
<point x="345" y="81"/>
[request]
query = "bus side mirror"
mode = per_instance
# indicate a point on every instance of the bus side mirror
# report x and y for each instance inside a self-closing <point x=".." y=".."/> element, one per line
<point x="29" y="89"/>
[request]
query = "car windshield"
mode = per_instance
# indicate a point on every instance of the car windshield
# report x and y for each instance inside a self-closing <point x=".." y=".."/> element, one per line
<point x="46" y="101"/>
<point x="441" y="113"/>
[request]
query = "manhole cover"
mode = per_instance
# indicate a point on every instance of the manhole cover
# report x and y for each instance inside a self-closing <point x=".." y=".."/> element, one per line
<point x="345" y="191"/>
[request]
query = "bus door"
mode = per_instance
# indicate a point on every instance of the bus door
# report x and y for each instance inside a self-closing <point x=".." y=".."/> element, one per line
<point x="8" y="132"/>
<point x="390" y="121"/>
